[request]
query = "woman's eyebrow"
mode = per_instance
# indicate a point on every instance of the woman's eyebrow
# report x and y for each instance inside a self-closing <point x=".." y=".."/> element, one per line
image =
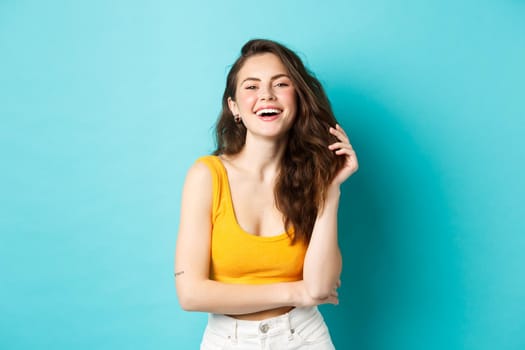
<point x="277" y="76"/>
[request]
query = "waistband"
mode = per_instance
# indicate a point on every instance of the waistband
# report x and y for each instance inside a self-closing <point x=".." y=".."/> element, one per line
<point x="235" y="328"/>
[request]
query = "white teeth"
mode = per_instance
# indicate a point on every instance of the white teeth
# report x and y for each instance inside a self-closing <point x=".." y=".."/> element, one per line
<point x="268" y="110"/>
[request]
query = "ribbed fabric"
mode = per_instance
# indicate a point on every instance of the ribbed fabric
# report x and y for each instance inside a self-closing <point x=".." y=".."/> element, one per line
<point x="240" y="257"/>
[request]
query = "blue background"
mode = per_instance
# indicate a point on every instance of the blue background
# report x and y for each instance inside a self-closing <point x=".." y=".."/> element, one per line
<point x="105" y="104"/>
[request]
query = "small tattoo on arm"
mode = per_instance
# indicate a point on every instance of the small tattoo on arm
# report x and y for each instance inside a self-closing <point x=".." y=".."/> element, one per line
<point x="178" y="273"/>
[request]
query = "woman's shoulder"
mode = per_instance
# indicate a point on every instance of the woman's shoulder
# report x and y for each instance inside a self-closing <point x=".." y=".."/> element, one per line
<point x="204" y="178"/>
<point x="205" y="166"/>
<point x="208" y="159"/>
<point x="201" y="173"/>
<point x="211" y="162"/>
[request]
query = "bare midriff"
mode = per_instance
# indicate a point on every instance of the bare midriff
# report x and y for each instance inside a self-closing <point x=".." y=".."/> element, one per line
<point x="262" y="315"/>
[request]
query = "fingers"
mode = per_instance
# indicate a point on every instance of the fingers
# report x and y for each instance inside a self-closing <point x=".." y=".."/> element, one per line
<point x="343" y="146"/>
<point x="334" y="296"/>
<point x="338" y="127"/>
<point x="334" y="290"/>
<point x="332" y="300"/>
<point x="340" y="148"/>
<point x="339" y="133"/>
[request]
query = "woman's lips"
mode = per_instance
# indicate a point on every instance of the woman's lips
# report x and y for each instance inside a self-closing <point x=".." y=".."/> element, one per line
<point x="268" y="111"/>
<point x="269" y="118"/>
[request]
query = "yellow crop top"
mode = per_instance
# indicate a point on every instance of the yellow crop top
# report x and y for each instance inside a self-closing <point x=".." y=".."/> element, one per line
<point x="240" y="257"/>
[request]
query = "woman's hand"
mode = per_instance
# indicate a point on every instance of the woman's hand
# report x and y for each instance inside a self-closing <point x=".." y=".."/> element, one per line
<point x="302" y="298"/>
<point x="343" y="148"/>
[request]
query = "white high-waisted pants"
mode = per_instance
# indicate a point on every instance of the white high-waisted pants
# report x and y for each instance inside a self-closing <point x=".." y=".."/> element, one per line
<point x="301" y="328"/>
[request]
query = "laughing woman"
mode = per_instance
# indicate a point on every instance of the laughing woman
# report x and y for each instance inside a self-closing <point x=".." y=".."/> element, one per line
<point x="257" y="246"/>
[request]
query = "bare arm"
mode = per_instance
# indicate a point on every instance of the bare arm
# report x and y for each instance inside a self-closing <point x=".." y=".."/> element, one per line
<point x="196" y="292"/>
<point x="323" y="261"/>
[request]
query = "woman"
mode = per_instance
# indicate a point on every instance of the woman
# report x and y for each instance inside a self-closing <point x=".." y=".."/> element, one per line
<point x="257" y="245"/>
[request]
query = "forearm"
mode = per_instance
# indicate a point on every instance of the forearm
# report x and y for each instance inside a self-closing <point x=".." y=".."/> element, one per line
<point x="233" y="299"/>
<point x="323" y="261"/>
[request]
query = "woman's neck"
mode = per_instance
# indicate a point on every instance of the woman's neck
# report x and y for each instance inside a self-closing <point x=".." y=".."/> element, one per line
<point x="261" y="157"/>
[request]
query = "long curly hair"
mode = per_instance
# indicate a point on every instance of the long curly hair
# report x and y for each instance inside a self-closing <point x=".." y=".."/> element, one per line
<point x="307" y="166"/>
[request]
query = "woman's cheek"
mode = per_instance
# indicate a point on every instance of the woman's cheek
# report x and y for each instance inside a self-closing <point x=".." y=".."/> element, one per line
<point x="248" y="100"/>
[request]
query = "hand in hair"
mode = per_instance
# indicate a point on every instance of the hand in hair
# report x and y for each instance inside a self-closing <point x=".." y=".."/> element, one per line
<point x="343" y="148"/>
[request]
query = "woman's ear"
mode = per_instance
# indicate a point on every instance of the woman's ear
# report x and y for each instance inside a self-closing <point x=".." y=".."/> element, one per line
<point x="233" y="106"/>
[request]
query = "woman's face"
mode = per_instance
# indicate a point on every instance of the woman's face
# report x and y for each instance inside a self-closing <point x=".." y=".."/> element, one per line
<point x="265" y="98"/>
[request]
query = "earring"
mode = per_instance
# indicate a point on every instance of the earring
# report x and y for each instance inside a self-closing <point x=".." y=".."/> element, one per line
<point x="237" y="119"/>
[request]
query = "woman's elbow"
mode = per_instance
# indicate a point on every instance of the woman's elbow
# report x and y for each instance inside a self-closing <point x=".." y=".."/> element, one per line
<point x="187" y="303"/>
<point x="320" y="288"/>
<point x="319" y="292"/>
<point x="188" y="300"/>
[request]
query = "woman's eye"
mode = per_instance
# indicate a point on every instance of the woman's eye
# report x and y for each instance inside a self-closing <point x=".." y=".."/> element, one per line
<point x="250" y="87"/>
<point x="282" y="84"/>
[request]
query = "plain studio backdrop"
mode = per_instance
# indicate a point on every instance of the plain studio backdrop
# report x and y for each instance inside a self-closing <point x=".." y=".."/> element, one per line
<point x="105" y="104"/>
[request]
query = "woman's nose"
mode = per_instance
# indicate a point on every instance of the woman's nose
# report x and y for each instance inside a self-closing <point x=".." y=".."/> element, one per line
<point x="266" y="94"/>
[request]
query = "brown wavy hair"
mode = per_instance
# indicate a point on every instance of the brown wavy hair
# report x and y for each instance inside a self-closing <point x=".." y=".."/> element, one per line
<point x="307" y="166"/>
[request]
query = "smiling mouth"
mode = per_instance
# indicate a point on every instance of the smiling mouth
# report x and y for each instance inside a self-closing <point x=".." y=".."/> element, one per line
<point x="268" y="112"/>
